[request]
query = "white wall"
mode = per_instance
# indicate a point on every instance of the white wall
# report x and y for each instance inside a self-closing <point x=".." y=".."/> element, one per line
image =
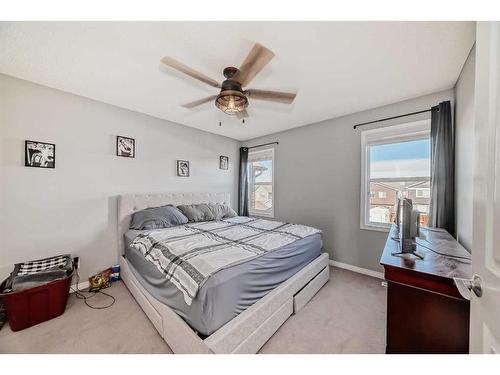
<point x="464" y="150"/>
<point x="72" y="208"/>
<point x="318" y="178"/>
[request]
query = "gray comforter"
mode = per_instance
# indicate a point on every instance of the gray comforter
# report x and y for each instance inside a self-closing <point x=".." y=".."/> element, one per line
<point x="230" y="291"/>
<point x="188" y="255"/>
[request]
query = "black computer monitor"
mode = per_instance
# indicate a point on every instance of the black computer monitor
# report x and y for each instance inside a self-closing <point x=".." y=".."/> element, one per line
<point x="397" y="220"/>
<point x="405" y="227"/>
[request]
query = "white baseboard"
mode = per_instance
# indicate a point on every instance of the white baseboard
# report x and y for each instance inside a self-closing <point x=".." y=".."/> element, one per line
<point x="364" y="271"/>
<point x="81" y="286"/>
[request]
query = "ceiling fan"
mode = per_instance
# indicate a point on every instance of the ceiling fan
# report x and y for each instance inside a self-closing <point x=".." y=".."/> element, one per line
<point x="232" y="98"/>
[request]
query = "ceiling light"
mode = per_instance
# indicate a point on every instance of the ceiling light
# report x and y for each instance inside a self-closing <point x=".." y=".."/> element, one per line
<point x="231" y="102"/>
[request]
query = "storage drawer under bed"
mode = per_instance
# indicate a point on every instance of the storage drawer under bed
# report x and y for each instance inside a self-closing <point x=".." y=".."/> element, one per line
<point x="303" y="296"/>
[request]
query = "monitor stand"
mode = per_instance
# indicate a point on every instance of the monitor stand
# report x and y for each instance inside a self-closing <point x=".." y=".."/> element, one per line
<point x="400" y="253"/>
<point x="412" y="252"/>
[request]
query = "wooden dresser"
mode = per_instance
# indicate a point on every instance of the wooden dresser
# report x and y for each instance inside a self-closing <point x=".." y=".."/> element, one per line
<point x="425" y="312"/>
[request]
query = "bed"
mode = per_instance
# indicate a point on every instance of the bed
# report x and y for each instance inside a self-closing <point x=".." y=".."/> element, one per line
<point x="238" y="308"/>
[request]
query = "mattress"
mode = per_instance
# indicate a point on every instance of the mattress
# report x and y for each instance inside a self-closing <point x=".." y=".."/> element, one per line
<point x="228" y="292"/>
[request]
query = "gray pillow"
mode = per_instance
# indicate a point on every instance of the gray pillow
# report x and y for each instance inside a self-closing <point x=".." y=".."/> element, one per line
<point x="221" y="211"/>
<point x="197" y="212"/>
<point x="158" y="217"/>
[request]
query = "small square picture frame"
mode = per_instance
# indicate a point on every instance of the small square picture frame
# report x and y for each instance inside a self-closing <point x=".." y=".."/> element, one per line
<point x="39" y="154"/>
<point x="224" y="162"/>
<point x="182" y="168"/>
<point x="125" y="147"/>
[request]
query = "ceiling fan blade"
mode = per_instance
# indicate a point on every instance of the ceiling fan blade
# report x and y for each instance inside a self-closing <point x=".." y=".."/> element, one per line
<point x="177" y="65"/>
<point x="241" y="115"/>
<point x="199" y="102"/>
<point x="272" y="96"/>
<point x="256" y="60"/>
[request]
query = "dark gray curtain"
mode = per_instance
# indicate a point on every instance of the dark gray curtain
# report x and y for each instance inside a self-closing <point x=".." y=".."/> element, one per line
<point x="442" y="205"/>
<point x="243" y="183"/>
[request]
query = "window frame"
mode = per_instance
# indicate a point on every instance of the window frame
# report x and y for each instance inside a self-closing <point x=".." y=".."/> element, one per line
<point x="410" y="131"/>
<point x="422" y="190"/>
<point x="256" y="213"/>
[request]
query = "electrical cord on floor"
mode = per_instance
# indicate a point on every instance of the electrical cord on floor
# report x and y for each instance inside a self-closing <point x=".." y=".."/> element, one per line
<point x="80" y="295"/>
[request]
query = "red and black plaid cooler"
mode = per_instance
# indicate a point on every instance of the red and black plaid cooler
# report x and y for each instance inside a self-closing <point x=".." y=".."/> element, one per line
<point x="36" y="304"/>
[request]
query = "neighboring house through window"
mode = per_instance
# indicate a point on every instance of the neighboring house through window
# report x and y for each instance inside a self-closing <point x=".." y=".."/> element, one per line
<point x="423" y="193"/>
<point x="261" y="182"/>
<point x="395" y="164"/>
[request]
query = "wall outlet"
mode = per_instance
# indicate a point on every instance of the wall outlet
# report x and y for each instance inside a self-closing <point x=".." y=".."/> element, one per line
<point x="76" y="262"/>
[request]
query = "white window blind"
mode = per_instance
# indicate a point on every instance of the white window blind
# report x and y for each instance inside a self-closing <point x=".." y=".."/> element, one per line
<point x="395" y="164"/>
<point x="261" y="182"/>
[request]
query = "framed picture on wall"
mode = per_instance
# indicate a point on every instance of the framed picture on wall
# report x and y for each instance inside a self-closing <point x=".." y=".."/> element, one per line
<point x="224" y="162"/>
<point x="125" y="147"/>
<point x="182" y="168"/>
<point x="39" y="154"/>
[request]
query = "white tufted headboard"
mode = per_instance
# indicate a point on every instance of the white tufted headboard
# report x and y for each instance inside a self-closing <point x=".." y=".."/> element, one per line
<point x="130" y="203"/>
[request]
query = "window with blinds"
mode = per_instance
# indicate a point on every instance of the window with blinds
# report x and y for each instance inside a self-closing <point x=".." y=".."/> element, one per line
<point x="395" y="164"/>
<point x="261" y="182"/>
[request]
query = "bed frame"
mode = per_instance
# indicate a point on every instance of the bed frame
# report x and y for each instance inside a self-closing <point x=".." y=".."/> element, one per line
<point x="247" y="332"/>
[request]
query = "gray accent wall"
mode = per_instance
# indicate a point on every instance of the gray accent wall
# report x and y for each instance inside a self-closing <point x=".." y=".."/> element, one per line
<point x="464" y="149"/>
<point x="73" y="208"/>
<point x="318" y="178"/>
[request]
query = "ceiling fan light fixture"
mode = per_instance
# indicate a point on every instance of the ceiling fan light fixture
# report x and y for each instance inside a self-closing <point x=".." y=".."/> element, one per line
<point x="231" y="102"/>
<point x="232" y="99"/>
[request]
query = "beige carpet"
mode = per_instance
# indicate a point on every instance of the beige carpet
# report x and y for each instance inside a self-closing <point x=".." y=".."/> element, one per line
<point x="346" y="316"/>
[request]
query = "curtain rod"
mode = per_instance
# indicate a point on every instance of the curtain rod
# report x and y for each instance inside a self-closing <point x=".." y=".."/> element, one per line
<point x="265" y="144"/>
<point x="391" y="118"/>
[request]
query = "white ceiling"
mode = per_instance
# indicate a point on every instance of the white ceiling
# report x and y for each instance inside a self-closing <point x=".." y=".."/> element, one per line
<point x="336" y="67"/>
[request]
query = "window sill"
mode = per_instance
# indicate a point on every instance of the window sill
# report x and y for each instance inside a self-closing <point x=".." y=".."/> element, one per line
<point x="376" y="228"/>
<point x="262" y="215"/>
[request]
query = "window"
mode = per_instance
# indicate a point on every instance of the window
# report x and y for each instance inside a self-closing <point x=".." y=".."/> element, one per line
<point x="395" y="164"/>
<point x="423" y="193"/>
<point x="261" y="182"/>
